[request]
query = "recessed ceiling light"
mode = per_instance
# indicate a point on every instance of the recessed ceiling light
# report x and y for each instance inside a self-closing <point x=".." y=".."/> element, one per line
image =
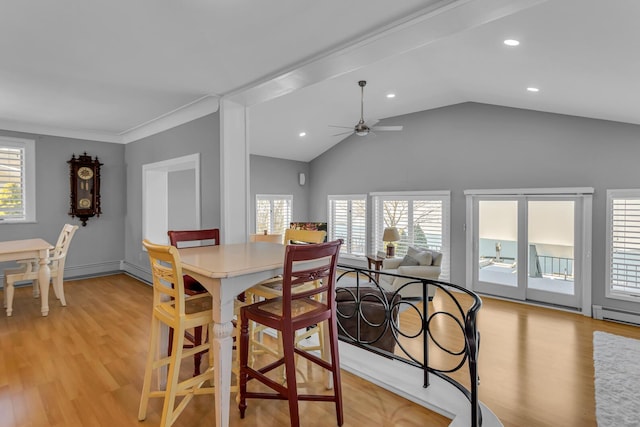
<point x="511" y="42"/>
<point x="533" y="89"/>
<point x="301" y="134"/>
<point x="391" y="95"/>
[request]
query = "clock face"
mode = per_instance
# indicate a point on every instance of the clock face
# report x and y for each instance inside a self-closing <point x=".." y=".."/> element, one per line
<point x="85" y="173"/>
<point x="84" y="203"/>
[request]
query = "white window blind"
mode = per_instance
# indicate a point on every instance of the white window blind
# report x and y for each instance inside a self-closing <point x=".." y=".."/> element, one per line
<point x="17" y="179"/>
<point x="348" y="221"/>
<point x="623" y="236"/>
<point x="422" y="218"/>
<point x="273" y="213"/>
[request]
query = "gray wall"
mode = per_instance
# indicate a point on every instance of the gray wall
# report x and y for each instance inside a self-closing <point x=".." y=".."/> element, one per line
<point x="199" y="136"/>
<point x="98" y="247"/>
<point x="279" y="176"/>
<point x="478" y="146"/>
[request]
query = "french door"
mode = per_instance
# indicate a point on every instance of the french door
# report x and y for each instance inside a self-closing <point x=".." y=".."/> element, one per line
<point x="528" y="247"/>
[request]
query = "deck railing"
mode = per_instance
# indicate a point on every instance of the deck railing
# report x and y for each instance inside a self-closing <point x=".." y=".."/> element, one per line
<point x="445" y="328"/>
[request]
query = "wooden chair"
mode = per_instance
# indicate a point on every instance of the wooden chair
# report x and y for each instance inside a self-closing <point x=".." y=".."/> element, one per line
<point x="272" y="288"/>
<point x="29" y="270"/>
<point x="287" y="314"/>
<point x="186" y="238"/>
<point x="179" y="312"/>
<point x="271" y="238"/>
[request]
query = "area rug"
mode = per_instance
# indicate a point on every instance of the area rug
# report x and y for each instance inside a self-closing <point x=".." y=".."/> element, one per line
<point x="616" y="363"/>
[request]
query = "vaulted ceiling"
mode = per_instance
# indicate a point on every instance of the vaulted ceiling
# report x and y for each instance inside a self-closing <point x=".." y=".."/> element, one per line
<point x="117" y="71"/>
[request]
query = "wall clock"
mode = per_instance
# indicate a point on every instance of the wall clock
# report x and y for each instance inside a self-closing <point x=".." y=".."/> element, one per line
<point x="84" y="174"/>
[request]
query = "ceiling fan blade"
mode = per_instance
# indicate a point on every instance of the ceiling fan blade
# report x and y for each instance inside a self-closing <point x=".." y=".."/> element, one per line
<point x="343" y="133"/>
<point x="343" y="127"/>
<point x="387" y="128"/>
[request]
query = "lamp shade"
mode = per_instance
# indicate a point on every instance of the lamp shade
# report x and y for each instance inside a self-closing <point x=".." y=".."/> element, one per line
<point x="391" y="234"/>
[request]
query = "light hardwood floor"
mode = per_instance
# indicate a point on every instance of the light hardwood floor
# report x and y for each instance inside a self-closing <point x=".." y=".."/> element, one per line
<point x="83" y="366"/>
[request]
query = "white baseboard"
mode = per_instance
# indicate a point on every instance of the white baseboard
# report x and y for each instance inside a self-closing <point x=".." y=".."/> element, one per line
<point x="616" y="315"/>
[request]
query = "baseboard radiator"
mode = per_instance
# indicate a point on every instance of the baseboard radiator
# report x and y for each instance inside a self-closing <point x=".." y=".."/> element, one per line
<point x="616" y="315"/>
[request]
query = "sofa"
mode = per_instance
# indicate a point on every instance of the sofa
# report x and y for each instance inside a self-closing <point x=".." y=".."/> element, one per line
<point x="375" y="328"/>
<point x="419" y="262"/>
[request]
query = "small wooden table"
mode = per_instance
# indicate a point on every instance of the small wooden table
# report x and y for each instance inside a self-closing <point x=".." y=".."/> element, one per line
<point x="15" y="250"/>
<point x="377" y="263"/>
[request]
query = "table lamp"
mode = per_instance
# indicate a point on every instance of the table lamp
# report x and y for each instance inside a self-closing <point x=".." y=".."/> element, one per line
<point x="390" y="235"/>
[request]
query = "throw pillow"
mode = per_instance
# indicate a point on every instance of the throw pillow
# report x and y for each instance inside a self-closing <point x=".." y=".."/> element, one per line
<point x="408" y="260"/>
<point x="423" y="256"/>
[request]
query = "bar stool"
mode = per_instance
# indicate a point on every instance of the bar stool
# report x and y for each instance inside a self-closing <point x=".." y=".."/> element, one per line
<point x="289" y="313"/>
<point x="175" y="310"/>
<point x="185" y="238"/>
<point x="272" y="288"/>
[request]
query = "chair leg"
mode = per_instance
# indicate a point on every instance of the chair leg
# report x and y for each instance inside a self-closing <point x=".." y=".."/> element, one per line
<point x="335" y="364"/>
<point x="36" y="288"/>
<point x="58" y="283"/>
<point x="244" y="359"/>
<point x="197" y="358"/>
<point x="168" y="409"/>
<point x="288" y="344"/>
<point x="8" y="297"/>
<point x="148" y="371"/>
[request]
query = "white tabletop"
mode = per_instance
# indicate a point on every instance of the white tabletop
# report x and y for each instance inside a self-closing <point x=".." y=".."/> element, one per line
<point x="232" y="260"/>
<point x="26" y="245"/>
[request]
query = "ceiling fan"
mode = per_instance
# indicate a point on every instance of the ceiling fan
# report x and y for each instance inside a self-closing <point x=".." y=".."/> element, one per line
<point x="361" y="128"/>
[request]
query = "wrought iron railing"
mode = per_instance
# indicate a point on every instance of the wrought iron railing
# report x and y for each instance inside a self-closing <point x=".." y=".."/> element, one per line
<point x="556" y="266"/>
<point x="441" y="330"/>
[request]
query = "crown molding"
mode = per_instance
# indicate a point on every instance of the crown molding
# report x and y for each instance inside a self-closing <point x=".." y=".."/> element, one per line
<point x="61" y="132"/>
<point x="199" y="108"/>
<point x="194" y="110"/>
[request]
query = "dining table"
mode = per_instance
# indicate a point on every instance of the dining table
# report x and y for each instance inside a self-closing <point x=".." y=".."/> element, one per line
<point x="25" y="249"/>
<point x="226" y="271"/>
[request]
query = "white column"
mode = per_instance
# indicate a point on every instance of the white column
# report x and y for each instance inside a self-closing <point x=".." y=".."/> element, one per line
<point x="234" y="172"/>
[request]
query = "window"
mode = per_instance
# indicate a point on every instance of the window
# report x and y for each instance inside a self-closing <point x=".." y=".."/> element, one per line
<point x="348" y="221"/>
<point x="273" y="213"/>
<point x="422" y="218"/>
<point x="623" y="244"/>
<point x="17" y="180"/>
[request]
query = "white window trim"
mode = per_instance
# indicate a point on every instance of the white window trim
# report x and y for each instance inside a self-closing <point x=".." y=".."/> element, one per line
<point x="617" y="194"/>
<point x="29" y="146"/>
<point x="442" y="195"/>
<point x="367" y="225"/>
<point x="271" y="198"/>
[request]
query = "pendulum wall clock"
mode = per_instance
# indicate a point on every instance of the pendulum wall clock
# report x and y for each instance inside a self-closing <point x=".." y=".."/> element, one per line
<point x="84" y="174"/>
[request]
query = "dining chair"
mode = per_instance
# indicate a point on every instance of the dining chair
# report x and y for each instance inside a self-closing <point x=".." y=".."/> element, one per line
<point x="293" y="311"/>
<point x="272" y="288"/>
<point x="271" y="238"/>
<point x="173" y="308"/>
<point x="29" y="270"/>
<point x="190" y="238"/>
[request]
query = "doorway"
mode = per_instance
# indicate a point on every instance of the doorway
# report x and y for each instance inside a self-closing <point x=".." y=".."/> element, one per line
<point x="530" y="247"/>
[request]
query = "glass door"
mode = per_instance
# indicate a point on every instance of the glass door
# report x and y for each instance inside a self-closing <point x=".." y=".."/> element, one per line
<point x="552" y="249"/>
<point x="497" y="270"/>
<point x="528" y="248"/>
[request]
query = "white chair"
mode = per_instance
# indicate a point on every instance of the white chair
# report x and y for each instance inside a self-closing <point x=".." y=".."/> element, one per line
<point x="29" y="270"/>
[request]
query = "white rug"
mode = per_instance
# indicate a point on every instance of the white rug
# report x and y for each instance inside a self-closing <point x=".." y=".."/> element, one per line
<point x="616" y="363"/>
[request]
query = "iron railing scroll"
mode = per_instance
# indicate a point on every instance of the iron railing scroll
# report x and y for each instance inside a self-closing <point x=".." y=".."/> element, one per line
<point x="441" y="339"/>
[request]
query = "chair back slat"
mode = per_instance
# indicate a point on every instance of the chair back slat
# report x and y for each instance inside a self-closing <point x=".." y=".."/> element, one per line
<point x="206" y="237"/>
<point x="310" y="263"/>
<point x="64" y="240"/>
<point x="166" y="270"/>
<point x="292" y="235"/>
